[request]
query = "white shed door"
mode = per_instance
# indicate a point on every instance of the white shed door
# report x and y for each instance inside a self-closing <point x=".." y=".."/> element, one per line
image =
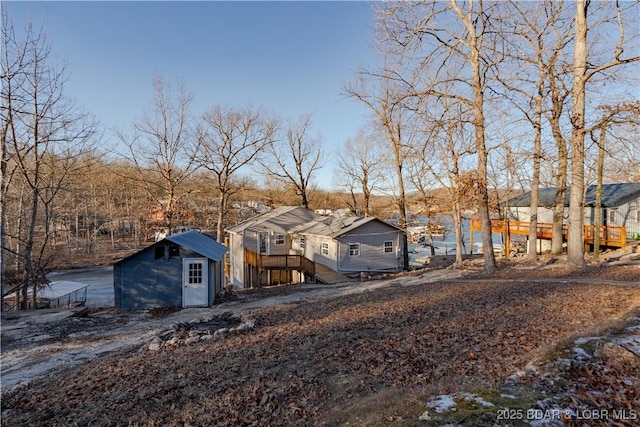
<point x="195" y="278"/>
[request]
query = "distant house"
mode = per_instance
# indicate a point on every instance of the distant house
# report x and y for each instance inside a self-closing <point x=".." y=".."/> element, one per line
<point x="184" y="270"/>
<point x="620" y="206"/>
<point x="291" y="244"/>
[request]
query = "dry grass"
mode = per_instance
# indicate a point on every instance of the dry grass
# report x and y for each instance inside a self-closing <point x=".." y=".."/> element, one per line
<point x="366" y="359"/>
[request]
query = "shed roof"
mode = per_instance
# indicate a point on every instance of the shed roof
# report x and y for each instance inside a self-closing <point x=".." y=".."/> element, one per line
<point x="199" y="243"/>
<point x="194" y="241"/>
<point x="612" y="195"/>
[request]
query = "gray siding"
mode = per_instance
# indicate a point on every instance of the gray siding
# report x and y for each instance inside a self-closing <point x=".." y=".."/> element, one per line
<point x="371" y="237"/>
<point x="142" y="282"/>
<point x="313" y="251"/>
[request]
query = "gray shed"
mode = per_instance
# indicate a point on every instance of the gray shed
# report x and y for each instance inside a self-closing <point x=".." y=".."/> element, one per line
<point x="181" y="270"/>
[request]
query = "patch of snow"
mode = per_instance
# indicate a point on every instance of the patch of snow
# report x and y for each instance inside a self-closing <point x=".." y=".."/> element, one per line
<point x="585" y="340"/>
<point x="425" y="416"/>
<point x="507" y="396"/>
<point x="477" y="399"/>
<point x="631" y="343"/>
<point x="443" y="403"/>
<point x="581" y="354"/>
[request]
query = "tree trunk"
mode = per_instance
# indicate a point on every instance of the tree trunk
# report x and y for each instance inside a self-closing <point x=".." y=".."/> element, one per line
<point x="483" y="194"/>
<point x="575" y="244"/>
<point x="535" y="180"/>
<point x="598" y="213"/>
<point x="457" y="226"/>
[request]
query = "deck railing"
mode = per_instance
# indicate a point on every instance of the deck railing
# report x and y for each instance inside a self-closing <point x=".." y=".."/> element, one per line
<point x="279" y="262"/>
<point x="609" y="235"/>
<point x="614" y="236"/>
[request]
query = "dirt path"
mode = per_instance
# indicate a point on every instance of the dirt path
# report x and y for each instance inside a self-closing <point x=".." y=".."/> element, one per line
<point x="35" y="344"/>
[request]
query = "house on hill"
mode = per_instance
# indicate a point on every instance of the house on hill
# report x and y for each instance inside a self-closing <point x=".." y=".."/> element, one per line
<point x="620" y="208"/>
<point x="292" y="244"/>
<point x="183" y="270"/>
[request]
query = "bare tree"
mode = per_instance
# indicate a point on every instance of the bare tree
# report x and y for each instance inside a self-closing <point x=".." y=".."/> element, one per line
<point x="448" y="42"/>
<point x="581" y="75"/>
<point x="381" y="96"/>
<point x="442" y="155"/>
<point x="525" y="35"/>
<point x="359" y="170"/>
<point x="163" y="150"/>
<point x="380" y="93"/>
<point x="229" y="140"/>
<point x="43" y="137"/>
<point x="295" y="159"/>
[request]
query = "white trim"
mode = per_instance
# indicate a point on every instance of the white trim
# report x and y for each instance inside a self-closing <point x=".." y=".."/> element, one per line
<point x="195" y="282"/>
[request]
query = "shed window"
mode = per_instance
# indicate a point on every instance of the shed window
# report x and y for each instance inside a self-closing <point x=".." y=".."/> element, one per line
<point x="195" y="273"/>
<point x="354" y="249"/>
<point x="325" y="248"/>
<point x="388" y="247"/>
<point x="612" y="217"/>
<point x="638" y="216"/>
<point x="166" y="251"/>
<point x="303" y="241"/>
<point x="279" y="239"/>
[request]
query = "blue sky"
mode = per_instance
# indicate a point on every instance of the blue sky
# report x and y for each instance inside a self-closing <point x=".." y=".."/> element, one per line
<point x="289" y="57"/>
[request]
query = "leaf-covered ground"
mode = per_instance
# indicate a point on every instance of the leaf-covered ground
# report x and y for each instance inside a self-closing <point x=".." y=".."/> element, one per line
<point x="367" y="359"/>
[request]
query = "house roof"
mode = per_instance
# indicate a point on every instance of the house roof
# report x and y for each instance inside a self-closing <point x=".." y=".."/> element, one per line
<point x="334" y="226"/>
<point x="612" y="195"/>
<point x="281" y="219"/>
<point x="199" y="243"/>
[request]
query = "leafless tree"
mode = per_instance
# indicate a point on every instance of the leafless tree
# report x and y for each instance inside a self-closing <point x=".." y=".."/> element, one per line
<point x="525" y="35"/>
<point x="294" y="159"/>
<point x="359" y="170"/>
<point x="448" y="42"/>
<point x="583" y="72"/>
<point x="163" y="149"/>
<point x="43" y="137"/>
<point x="380" y="94"/>
<point x="444" y="157"/>
<point x="229" y="140"/>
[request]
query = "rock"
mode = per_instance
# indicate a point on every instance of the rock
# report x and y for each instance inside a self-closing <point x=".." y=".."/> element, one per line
<point x="155" y="345"/>
<point x="220" y="332"/>
<point x="192" y="340"/>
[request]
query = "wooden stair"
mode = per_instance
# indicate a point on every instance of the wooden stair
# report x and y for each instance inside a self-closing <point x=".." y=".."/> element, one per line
<point x="328" y="276"/>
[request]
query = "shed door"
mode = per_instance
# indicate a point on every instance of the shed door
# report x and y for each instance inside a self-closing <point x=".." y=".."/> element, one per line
<point x="195" y="279"/>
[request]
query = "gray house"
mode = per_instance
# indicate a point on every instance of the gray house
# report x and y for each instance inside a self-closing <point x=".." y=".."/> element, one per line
<point x="620" y="207"/>
<point x="291" y="244"/>
<point x="351" y="244"/>
<point x="183" y="270"/>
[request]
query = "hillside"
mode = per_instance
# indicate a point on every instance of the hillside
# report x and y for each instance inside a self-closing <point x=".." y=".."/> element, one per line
<point x="347" y="356"/>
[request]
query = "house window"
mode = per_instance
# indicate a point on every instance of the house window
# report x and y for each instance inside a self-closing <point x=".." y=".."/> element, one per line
<point x="325" y="249"/>
<point x="612" y="217"/>
<point x="354" y="249"/>
<point x="279" y="239"/>
<point x="303" y="242"/>
<point x="388" y="247"/>
<point x="637" y="216"/>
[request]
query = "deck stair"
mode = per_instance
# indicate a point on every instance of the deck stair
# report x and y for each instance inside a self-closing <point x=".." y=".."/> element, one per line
<point x="328" y="276"/>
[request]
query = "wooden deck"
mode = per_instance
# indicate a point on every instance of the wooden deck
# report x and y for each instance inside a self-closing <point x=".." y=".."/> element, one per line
<point x="613" y="236"/>
<point x="299" y="263"/>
